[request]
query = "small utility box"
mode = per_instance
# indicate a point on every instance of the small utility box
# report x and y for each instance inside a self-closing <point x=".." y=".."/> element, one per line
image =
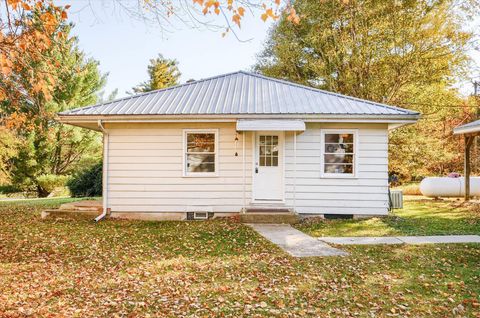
<point x="396" y="199"/>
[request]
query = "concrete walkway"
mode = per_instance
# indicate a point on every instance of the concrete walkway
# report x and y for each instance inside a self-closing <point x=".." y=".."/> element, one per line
<point x="294" y="242"/>
<point x="440" y="239"/>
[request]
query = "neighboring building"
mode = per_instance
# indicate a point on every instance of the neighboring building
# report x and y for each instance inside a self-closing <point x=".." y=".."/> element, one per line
<point x="242" y="140"/>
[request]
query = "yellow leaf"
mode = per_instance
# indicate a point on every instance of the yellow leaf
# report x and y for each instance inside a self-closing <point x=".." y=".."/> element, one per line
<point x="236" y="18"/>
<point x="241" y="11"/>
<point x="264" y="17"/>
<point x="217" y="11"/>
<point x="13" y="3"/>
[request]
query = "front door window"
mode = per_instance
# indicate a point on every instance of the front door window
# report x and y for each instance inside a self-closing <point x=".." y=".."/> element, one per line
<point x="268" y="151"/>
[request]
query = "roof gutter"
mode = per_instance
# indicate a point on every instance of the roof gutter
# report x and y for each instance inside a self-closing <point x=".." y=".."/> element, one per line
<point x="466" y="130"/>
<point x="231" y="118"/>
<point x="105" y="171"/>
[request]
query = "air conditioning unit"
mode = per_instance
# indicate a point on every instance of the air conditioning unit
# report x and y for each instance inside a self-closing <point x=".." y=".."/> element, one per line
<point x="396" y="199"/>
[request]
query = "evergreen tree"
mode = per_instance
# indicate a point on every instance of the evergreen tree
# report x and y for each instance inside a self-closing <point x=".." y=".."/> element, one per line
<point x="162" y="73"/>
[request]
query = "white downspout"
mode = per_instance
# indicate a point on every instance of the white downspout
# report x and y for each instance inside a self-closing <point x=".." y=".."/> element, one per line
<point x="295" y="172"/>
<point x="106" y="143"/>
<point x="244" y="135"/>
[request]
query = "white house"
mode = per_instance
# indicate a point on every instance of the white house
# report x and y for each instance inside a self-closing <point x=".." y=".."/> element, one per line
<point x="243" y="141"/>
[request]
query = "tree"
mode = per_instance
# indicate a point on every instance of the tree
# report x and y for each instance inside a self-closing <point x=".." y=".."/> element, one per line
<point x="8" y="149"/>
<point x="226" y="15"/>
<point x="28" y="29"/>
<point x="369" y="49"/>
<point x="404" y="53"/>
<point x="45" y="146"/>
<point x="162" y="73"/>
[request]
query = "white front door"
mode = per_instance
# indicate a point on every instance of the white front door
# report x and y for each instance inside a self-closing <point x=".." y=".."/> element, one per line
<point x="268" y="166"/>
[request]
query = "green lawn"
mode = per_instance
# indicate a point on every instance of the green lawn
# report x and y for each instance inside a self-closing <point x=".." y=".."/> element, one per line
<point x="76" y="268"/>
<point x="418" y="217"/>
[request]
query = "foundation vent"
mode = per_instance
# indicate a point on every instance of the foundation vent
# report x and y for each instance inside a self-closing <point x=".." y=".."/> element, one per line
<point x="199" y="215"/>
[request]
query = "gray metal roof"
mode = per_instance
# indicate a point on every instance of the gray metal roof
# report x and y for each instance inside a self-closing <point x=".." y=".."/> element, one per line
<point x="239" y="93"/>
<point x="469" y="128"/>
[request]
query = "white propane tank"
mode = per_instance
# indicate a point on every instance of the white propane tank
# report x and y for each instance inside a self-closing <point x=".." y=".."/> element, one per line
<point x="448" y="187"/>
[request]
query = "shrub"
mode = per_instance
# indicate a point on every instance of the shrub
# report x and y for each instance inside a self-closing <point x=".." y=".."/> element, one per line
<point x="8" y="188"/>
<point x="49" y="182"/>
<point x="87" y="183"/>
<point x="410" y="188"/>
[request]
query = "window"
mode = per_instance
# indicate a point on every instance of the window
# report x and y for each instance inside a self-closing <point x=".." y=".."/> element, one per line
<point x="268" y="152"/>
<point x="338" y="152"/>
<point x="200" y="148"/>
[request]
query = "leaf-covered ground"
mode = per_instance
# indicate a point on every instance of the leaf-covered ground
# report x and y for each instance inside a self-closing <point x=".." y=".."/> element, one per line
<point x="418" y="217"/>
<point x="75" y="268"/>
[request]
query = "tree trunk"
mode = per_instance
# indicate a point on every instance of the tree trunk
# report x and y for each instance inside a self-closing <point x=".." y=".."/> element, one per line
<point x="41" y="193"/>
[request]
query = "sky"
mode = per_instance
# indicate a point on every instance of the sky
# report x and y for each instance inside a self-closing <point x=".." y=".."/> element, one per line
<point x="124" y="45"/>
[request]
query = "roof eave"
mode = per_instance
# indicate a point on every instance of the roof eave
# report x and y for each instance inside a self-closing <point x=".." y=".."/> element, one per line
<point x="360" y="118"/>
<point x="466" y="130"/>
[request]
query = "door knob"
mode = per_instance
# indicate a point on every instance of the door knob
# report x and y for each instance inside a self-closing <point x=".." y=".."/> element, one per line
<point x="256" y="170"/>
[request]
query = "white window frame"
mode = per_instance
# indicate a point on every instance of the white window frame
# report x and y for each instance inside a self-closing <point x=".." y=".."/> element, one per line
<point x="355" y="153"/>
<point x="184" y="155"/>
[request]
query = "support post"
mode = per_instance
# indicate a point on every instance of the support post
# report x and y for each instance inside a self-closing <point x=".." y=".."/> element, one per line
<point x="468" y="146"/>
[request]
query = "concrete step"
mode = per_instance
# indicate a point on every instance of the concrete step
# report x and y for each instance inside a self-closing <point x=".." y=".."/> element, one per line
<point x="269" y="218"/>
<point x="266" y="210"/>
<point x="85" y="205"/>
<point x="68" y="213"/>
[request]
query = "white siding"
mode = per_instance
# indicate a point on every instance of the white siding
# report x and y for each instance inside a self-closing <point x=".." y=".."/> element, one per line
<point x="367" y="193"/>
<point x="146" y="162"/>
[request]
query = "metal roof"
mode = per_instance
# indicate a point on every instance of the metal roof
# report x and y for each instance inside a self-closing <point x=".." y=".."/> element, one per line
<point x="469" y="128"/>
<point x="239" y="93"/>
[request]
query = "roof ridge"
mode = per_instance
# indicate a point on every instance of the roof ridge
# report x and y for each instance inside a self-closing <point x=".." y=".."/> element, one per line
<point x="329" y="92"/>
<point x="150" y="92"/>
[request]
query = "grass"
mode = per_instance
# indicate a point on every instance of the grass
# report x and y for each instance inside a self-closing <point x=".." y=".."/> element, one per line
<point x="118" y="268"/>
<point x="418" y="217"/>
